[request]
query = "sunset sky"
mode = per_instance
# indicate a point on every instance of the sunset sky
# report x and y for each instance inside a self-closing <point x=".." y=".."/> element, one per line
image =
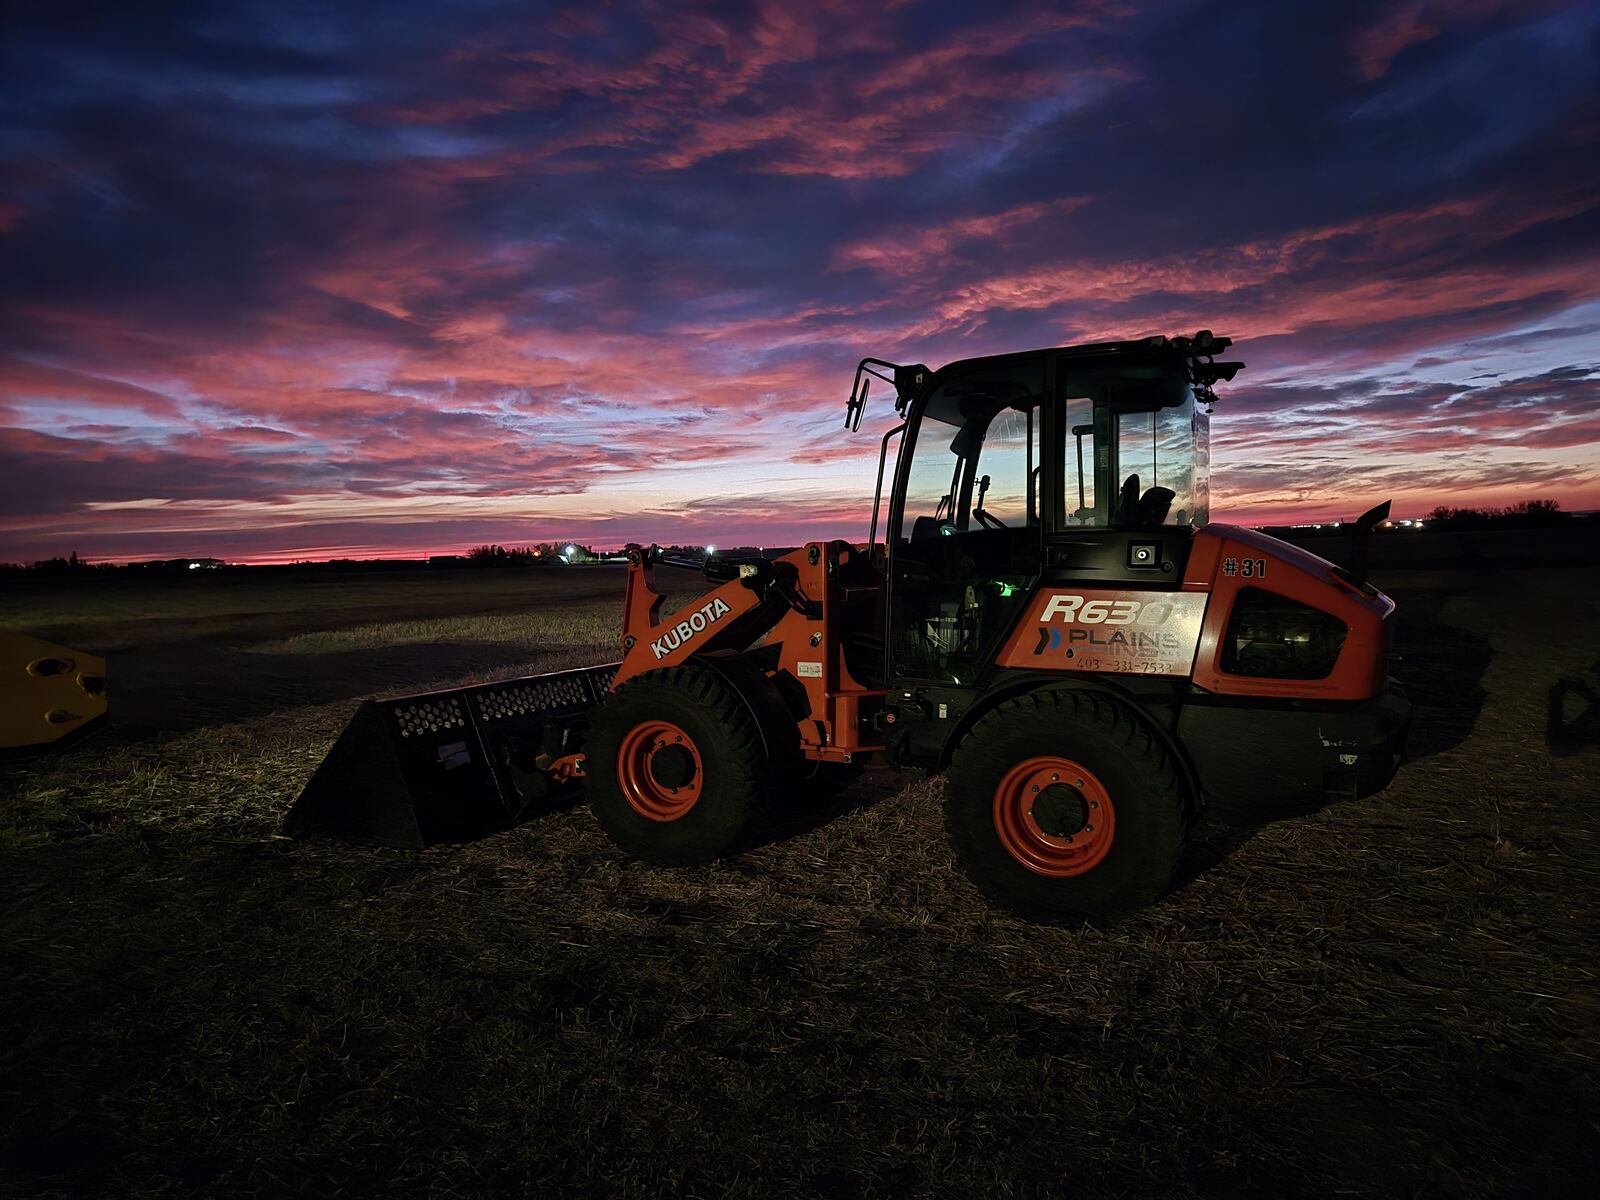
<point x="312" y="280"/>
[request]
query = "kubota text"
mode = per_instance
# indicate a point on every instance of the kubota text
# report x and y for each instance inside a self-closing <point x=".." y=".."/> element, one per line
<point x="707" y="614"/>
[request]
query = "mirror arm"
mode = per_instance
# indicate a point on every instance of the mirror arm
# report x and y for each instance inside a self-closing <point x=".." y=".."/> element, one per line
<point x="857" y="404"/>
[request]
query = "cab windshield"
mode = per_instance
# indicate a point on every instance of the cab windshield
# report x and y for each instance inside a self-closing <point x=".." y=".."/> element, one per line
<point x="978" y="455"/>
<point x="974" y="466"/>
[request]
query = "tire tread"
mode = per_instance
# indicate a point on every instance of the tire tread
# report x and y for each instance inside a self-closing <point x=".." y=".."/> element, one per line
<point x="1054" y="711"/>
<point x="745" y="776"/>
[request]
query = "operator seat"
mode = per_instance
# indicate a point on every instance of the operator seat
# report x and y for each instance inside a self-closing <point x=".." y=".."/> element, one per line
<point x="1147" y="511"/>
<point x="1128" y="500"/>
<point x="1153" y="507"/>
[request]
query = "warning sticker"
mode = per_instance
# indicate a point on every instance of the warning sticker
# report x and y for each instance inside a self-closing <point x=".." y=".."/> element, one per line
<point x="809" y="670"/>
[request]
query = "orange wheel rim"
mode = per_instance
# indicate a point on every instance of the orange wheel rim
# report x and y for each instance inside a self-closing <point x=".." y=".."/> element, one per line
<point x="1054" y="817"/>
<point x="659" y="769"/>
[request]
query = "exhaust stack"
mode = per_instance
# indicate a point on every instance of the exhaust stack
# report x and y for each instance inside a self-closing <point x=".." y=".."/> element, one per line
<point x="1365" y="524"/>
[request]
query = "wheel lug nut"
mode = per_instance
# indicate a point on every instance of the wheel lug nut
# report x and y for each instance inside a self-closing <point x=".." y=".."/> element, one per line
<point x="1069" y="839"/>
<point x="1094" y="804"/>
<point x="1034" y="788"/>
<point x="1053" y="778"/>
<point x="1086" y="828"/>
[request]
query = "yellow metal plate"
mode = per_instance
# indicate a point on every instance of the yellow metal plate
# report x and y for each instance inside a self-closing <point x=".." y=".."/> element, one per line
<point x="47" y="692"/>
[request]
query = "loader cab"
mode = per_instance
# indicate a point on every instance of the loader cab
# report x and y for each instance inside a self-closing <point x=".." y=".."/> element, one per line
<point x="1088" y="465"/>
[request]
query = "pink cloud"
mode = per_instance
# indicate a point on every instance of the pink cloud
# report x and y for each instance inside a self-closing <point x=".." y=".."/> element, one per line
<point x="1377" y="45"/>
<point x="707" y="87"/>
<point x="1415" y="22"/>
<point x="28" y="381"/>
<point x="1404" y="271"/>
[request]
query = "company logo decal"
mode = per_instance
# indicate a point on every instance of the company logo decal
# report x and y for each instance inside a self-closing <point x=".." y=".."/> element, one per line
<point x="1107" y="612"/>
<point x="1128" y="632"/>
<point x="685" y="630"/>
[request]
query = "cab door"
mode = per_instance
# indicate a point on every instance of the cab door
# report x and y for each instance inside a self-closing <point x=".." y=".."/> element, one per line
<point x="966" y="533"/>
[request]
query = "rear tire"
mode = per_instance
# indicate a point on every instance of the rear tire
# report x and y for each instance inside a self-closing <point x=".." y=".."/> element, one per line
<point x="1062" y="805"/>
<point x="676" y="766"/>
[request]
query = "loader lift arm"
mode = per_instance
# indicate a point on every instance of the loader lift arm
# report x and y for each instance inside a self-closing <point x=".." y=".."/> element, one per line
<point x="795" y="606"/>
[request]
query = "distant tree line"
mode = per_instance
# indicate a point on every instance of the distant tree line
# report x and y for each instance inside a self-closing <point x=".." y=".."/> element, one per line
<point x="71" y="565"/>
<point x="1529" y="514"/>
<point x="544" y="554"/>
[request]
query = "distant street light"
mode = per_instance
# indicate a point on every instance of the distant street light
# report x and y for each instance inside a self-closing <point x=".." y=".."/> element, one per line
<point x="711" y="549"/>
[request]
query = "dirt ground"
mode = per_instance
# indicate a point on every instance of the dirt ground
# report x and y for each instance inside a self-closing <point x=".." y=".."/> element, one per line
<point x="1394" y="997"/>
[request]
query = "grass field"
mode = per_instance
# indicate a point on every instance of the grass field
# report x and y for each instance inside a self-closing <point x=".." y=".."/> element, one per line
<point x="1391" y="997"/>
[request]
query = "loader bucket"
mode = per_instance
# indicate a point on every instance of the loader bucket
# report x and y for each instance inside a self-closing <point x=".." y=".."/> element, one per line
<point x="450" y="766"/>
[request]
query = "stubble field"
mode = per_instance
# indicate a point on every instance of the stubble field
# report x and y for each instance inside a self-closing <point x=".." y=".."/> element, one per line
<point x="1390" y="997"/>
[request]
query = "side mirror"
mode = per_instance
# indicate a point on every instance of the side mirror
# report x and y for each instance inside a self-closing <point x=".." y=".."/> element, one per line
<point x="857" y="404"/>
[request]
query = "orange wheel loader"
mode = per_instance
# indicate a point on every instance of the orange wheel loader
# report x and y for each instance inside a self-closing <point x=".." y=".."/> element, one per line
<point x="1049" y="619"/>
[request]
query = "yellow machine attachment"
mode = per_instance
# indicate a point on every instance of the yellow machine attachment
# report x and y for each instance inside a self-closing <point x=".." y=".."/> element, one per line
<point x="49" y="695"/>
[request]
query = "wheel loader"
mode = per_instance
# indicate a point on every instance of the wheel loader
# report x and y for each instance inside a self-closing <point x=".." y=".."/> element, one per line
<point x="1050" y="619"/>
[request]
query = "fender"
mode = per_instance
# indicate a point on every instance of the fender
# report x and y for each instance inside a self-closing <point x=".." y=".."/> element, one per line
<point x="780" y="735"/>
<point x="1010" y="688"/>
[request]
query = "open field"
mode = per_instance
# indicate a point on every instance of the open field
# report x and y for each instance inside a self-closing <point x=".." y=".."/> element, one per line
<point x="1391" y="997"/>
<point x="192" y="652"/>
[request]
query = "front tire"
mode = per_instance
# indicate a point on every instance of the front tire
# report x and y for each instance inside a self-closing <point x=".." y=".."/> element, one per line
<point x="677" y="768"/>
<point x="1062" y="805"/>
